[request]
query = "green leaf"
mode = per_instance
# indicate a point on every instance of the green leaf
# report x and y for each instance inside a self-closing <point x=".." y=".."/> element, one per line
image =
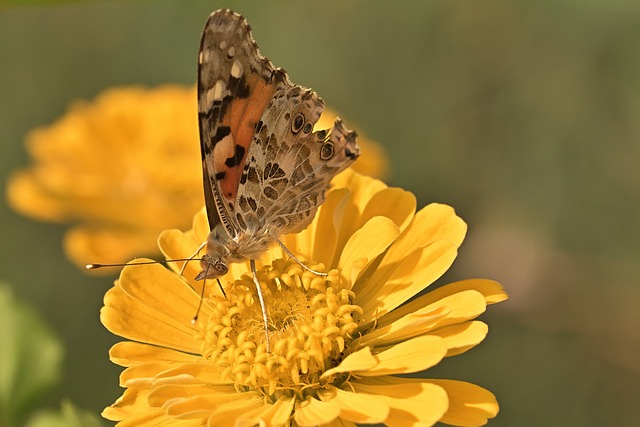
<point x="68" y="416"/>
<point x="30" y="358"/>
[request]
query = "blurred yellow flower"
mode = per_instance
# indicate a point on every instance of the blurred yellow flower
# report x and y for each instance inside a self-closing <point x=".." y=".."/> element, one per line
<point x="338" y="343"/>
<point x="122" y="168"/>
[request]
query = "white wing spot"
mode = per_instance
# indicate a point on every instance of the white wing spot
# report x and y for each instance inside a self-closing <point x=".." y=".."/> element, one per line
<point x="222" y="151"/>
<point x="205" y="56"/>
<point x="236" y="69"/>
<point x="218" y="89"/>
<point x="213" y="94"/>
<point x="223" y="45"/>
<point x="231" y="52"/>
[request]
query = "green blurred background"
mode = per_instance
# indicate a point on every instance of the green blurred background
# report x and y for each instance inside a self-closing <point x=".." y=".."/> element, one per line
<point x="524" y="116"/>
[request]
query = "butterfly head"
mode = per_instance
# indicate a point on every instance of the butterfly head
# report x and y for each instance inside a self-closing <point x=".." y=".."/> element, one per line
<point x="212" y="267"/>
<point x="223" y="250"/>
<point x="215" y="263"/>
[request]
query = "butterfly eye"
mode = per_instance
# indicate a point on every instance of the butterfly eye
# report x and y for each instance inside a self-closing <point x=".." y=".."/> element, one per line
<point x="321" y="135"/>
<point x="221" y="268"/>
<point x="297" y="123"/>
<point x="326" y="151"/>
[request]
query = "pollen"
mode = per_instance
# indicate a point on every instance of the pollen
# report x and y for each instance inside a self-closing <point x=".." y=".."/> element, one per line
<point x="311" y="322"/>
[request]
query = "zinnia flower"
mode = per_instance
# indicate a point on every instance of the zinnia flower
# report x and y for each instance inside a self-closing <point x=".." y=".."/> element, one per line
<point x="132" y="150"/>
<point x="338" y="342"/>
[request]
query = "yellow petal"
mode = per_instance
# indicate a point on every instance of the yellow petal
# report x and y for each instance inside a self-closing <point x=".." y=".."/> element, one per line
<point x="460" y="307"/>
<point x="411" y="403"/>
<point x="175" y="244"/>
<point x="327" y="223"/>
<point x="398" y="279"/>
<point x="366" y="244"/>
<point x="153" y="417"/>
<point x="141" y="375"/>
<point x="355" y="201"/>
<point x="131" y="401"/>
<point x="158" y="315"/>
<point x="232" y="410"/>
<point x="216" y="406"/>
<point x="313" y="412"/>
<point x="469" y="404"/>
<point x="202" y="372"/>
<point x="462" y="337"/>
<point x="127" y="353"/>
<point x="276" y="415"/>
<point x="394" y="203"/>
<point x="432" y="223"/>
<point x="413" y="324"/>
<point x="360" y="360"/>
<point x="357" y="407"/>
<point x="409" y="356"/>
<point x="341" y="214"/>
<point x="169" y="294"/>
<point x="420" y="255"/>
<point x="200" y="226"/>
<point x="493" y="291"/>
<point x="362" y="187"/>
<point x="25" y="195"/>
<point x="163" y="395"/>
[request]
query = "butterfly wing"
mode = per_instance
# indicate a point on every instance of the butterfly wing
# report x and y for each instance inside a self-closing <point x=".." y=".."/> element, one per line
<point x="235" y="85"/>
<point x="264" y="168"/>
<point x="289" y="167"/>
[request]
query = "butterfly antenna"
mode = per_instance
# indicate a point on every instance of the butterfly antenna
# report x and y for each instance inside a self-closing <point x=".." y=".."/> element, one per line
<point x="192" y="257"/>
<point x="265" y="317"/>
<point x="204" y="285"/>
<point x="97" y="266"/>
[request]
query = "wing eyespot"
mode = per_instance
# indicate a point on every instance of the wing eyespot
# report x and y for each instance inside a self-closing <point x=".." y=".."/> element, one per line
<point x="326" y="151"/>
<point x="350" y="154"/>
<point x="321" y="135"/>
<point x="297" y="123"/>
<point x="307" y="128"/>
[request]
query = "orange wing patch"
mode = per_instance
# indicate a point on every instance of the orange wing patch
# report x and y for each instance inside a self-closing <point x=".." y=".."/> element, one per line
<point x="230" y="153"/>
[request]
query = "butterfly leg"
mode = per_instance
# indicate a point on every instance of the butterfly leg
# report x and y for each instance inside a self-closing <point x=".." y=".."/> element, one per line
<point x="265" y="317"/>
<point x="293" y="257"/>
<point x="193" y="255"/>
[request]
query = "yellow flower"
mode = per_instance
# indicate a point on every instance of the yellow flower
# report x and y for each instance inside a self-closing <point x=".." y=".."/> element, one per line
<point x="132" y="150"/>
<point x="338" y="342"/>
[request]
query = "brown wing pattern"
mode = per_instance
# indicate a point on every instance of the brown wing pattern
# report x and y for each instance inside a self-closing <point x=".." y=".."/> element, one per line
<point x="264" y="167"/>
<point x="235" y="85"/>
<point x="289" y="166"/>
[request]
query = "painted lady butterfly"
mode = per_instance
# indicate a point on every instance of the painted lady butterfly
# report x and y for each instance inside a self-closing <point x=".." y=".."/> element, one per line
<point x="265" y="169"/>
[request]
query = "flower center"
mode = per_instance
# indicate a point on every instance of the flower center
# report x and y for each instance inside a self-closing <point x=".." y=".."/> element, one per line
<point x="311" y="319"/>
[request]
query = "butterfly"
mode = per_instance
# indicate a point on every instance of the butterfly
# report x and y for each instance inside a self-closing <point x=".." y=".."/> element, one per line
<point x="265" y="168"/>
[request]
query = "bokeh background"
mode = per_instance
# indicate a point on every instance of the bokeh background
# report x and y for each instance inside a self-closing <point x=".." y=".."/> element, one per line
<point x="524" y="116"/>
